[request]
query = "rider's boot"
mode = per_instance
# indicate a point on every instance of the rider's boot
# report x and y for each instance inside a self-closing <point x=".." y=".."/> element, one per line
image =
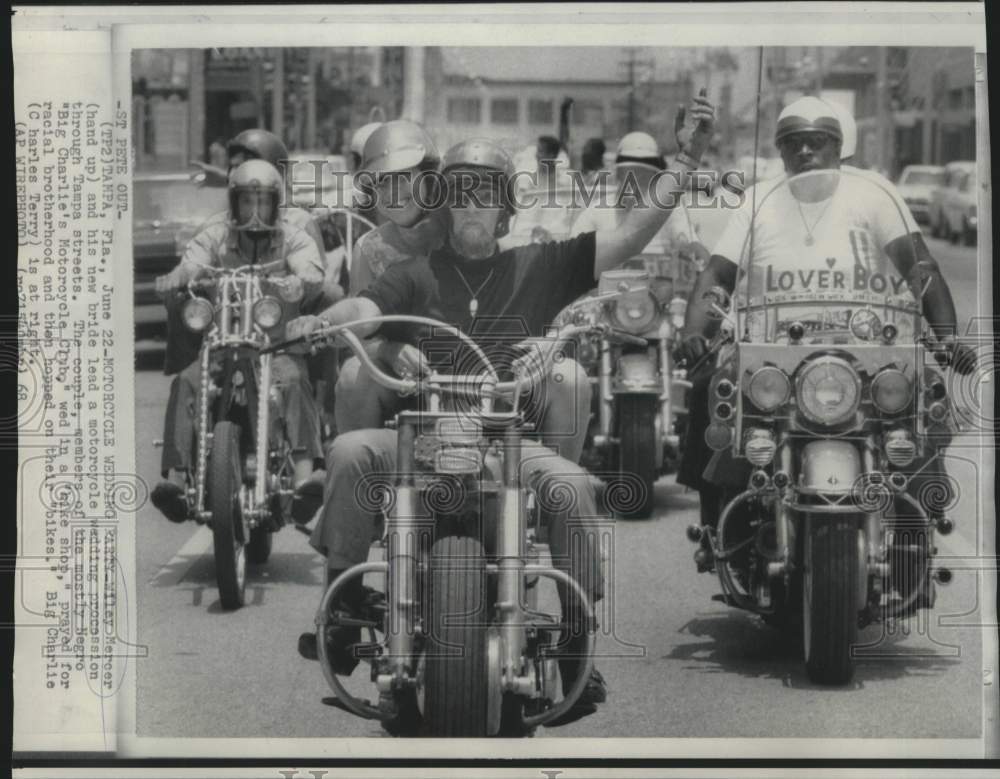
<point x="595" y="691"/>
<point x="307" y="497"/>
<point x="169" y="496"/>
<point x="341" y="640"/>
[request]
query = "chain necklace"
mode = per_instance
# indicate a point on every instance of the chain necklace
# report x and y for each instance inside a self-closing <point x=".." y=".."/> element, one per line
<point x="810" y="240"/>
<point x="474" y="296"/>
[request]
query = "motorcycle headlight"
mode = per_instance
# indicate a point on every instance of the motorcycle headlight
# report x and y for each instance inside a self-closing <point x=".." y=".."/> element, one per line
<point x="635" y="313"/>
<point x="197" y="314"/>
<point x="267" y="313"/>
<point x="828" y="390"/>
<point x="891" y="391"/>
<point x="768" y="388"/>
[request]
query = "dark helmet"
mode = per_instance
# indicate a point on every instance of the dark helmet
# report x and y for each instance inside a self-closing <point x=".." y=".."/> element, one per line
<point x="808" y="114"/>
<point x="258" y="144"/>
<point x="399" y="145"/>
<point x="480" y="154"/>
<point x="255" y="176"/>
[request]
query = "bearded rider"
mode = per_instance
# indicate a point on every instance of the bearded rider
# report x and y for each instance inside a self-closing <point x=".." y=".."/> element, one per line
<point x="797" y="225"/>
<point x="398" y="157"/>
<point x="255" y="232"/>
<point x="488" y="294"/>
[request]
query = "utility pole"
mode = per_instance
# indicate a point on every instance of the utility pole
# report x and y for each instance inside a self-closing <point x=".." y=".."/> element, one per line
<point x="632" y="64"/>
<point x="413" y="84"/>
<point x="278" y="93"/>
<point x="882" y="107"/>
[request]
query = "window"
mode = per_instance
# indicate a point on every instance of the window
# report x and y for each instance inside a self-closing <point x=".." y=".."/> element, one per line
<point x="540" y="111"/>
<point x="504" y="111"/>
<point x="955" y="98"/>
<point x="464" y="110"/>
<point x="589" y="113"/>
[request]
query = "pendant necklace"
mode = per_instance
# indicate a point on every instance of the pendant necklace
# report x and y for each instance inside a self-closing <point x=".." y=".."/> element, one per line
<point x="810" y="240"/>
<point x="474" y="296"/>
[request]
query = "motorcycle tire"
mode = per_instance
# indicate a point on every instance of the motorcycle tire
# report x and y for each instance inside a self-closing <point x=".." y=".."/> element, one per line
<point x="455" y="672"/>
<point x="637" y="453"/>
<point x="225" y="480"/>
<point x="830" y="599"/>
<point x="259" y="548"/>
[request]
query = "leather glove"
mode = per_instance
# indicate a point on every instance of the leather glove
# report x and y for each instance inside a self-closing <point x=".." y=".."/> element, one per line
<point x="691" y="349"/>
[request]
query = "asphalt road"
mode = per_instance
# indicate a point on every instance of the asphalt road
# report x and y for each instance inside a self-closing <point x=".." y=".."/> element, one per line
<point x="678" y="664"/>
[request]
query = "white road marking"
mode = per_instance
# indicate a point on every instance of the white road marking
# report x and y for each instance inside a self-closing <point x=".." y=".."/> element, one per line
<point x="172" y="573"/>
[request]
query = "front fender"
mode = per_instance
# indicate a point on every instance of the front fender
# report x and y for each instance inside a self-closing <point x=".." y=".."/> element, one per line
<point x="637" y="373"/>
<point x="829" y="467"/>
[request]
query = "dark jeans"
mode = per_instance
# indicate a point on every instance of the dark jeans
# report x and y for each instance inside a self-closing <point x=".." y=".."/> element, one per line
<point x="297" y="412"/>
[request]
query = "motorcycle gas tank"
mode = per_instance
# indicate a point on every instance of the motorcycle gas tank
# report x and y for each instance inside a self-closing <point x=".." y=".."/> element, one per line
<point x="829" y="467"/>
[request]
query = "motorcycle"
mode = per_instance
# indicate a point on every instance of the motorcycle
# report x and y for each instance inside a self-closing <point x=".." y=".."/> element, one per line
<point x="242" y="483"/>
<point x="639" y="406"/>
<point x="832" y="420"/>
<point x="465" y="650"/>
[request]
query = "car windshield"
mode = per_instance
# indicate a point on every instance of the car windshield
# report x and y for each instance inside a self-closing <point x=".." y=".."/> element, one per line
<point x="813" y="254"/>
<point x="922" y="178"/>
<point x="175" y="200"/>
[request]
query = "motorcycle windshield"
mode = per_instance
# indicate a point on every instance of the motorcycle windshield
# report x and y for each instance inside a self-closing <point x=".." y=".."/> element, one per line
<point x="817" y="249"/>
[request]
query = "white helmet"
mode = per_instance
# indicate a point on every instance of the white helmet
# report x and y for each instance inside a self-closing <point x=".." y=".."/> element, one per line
<point x="361" y="135"/>
<point x="639" y="147"/>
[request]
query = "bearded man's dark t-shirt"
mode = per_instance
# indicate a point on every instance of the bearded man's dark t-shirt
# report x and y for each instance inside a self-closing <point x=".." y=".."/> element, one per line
<point x="519" y="292"/>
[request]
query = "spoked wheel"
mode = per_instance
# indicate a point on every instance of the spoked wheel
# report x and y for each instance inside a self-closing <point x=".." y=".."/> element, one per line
<point x="637" y="453"/>
<point x="830" y="585"/>
<point x="225" y="481"/>
<point x="259" y="548"/>
<point x="455" y="668"/>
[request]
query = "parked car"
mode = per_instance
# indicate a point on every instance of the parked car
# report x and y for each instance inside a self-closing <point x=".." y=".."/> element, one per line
<point x="953" y="212"/>
<point x="916" y="184"/>
<point x="168" y="209"/>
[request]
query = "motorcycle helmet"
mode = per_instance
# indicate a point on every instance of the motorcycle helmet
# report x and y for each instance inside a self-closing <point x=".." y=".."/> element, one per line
<point x="808" y="114"/>
<point x="399" y="145"/>
<point x="257" y="144"/>
<point x="479" y="155"/>
<point x="639" y="148"/>
<point x="260" y="177"/>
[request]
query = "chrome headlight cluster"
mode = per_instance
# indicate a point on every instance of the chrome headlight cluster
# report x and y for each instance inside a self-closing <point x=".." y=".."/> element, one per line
<point x="768" y="388"/>
<point x="828" y="390"/>
<point x="267" y="312"/>
<point x="892" y="391"/>
<point x="197" y="314"/>
<point x="635" y="312"/>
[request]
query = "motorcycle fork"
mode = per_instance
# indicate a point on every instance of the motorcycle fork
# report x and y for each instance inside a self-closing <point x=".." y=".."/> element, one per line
<point x="204" y="434"/>
<point x="873" y="520"/>
<point x="783" y="527"/>
<point x="402" y="555"/>
<point x="607" y="397"/>
<point x="510" y="561"/>
<point x="666" y="389"/>
<point x="263" y="434"/>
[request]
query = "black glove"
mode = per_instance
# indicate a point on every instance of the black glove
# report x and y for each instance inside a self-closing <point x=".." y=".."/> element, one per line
<point x="691" y="349"/>
<point x="960" y="357"/>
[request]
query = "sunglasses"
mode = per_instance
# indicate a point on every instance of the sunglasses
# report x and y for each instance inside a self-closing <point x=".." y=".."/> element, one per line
<point x="815" y="141"/>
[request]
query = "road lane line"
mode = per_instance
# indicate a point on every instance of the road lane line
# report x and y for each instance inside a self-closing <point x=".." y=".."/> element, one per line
<point x="174" y="571"/>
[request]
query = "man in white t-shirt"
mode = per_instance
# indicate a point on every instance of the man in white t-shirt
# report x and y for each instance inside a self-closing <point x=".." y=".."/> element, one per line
<point x="638" y="159"/>
<point x="827" y="242"/>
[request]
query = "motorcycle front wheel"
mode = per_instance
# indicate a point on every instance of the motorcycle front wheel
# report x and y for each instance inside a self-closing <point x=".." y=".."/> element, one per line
<point x="637" y="452"/>
<point x="225" y="480"/>
<point x="830" y="598"/>
<point x="455" y="660"/>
